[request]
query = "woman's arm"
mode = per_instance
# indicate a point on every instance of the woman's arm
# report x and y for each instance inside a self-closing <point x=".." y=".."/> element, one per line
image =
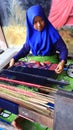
<point x="22" y="53"/>
<point x="63" y="53"/>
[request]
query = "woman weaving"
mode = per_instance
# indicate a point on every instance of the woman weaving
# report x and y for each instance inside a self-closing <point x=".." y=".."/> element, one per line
<point x="42" y="38"/>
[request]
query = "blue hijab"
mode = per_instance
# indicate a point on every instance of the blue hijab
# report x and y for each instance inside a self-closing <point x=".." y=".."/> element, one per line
<point x="41" y="42"/>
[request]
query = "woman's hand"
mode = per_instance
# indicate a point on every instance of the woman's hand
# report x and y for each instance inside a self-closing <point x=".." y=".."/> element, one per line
<point x="60" y="67"/>
<point x="12" y="62"/>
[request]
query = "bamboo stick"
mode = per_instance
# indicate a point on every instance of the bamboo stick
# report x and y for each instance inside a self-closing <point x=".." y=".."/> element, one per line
<point x="27" y="84"/>
<point x="27" y="104"/>
<point x="29" y="94"/>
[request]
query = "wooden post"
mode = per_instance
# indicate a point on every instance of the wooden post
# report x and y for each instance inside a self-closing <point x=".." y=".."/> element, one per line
<point x="63" y="115"/>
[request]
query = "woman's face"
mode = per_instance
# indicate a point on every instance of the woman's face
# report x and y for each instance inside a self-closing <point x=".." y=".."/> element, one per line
<point x="38" y="23"/>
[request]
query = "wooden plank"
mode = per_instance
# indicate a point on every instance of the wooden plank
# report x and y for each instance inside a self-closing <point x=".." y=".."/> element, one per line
<point x="36" y="117"/>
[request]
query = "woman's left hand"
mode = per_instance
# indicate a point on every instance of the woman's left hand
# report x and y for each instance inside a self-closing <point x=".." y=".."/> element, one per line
<point x="60" y="67"/>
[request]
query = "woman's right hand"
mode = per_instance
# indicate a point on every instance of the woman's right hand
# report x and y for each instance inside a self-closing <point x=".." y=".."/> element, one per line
<point x="12" y="62"/>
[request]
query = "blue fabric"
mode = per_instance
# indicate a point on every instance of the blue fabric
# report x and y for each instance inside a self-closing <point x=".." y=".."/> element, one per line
<point x="40" y="42"/>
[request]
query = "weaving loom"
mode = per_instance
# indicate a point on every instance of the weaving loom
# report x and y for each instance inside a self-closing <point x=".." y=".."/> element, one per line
<point x="27" y="93"/>
<point x="26" y="99"/>
<point x="24" y="102"/>
<point x="43" y="74"/>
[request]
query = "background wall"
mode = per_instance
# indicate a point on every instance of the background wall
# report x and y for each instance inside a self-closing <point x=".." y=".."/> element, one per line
<point x="12" y="19"/>
<point x="61" y="16"/>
